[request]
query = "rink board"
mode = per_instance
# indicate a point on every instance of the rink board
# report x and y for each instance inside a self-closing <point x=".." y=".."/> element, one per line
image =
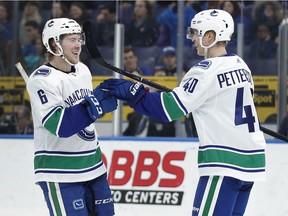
<point x="147" y="176"/>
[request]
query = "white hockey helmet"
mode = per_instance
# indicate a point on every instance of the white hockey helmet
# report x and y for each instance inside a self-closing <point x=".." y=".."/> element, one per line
<point x="219" y="21"/>
<point x="54" y="28"/>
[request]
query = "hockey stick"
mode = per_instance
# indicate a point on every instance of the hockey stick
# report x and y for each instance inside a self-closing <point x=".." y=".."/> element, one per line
<point x="22" y="71"/>
<point x="96" y="56"/>
<point x="274" y="134"/>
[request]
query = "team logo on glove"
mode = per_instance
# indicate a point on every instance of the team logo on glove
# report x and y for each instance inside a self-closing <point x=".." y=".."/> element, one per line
<point x="97" y="105"/>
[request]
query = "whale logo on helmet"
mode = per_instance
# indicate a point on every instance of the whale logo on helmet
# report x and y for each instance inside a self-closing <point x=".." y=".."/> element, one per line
<point x="51" y="23"/>
<point x="214" y="13"/>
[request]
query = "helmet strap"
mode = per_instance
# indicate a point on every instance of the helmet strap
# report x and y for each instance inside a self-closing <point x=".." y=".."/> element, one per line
<point x="205" y="52"/>
<point x="53" y="53"/>
<point x="65" y="58"/>
<point x="206" y="48"/>
<point x="61" y="54"/>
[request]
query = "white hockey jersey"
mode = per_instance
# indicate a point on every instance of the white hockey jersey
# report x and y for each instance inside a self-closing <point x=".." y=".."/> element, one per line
<point x="65" y="138"/>
<point x="219" y="93"/>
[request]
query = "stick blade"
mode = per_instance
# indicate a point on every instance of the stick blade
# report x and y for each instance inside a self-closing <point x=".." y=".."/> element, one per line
<point x="90" y="42"/>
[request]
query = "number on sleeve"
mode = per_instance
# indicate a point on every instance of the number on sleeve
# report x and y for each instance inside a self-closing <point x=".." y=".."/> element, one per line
<point x="190" y="85"/>
<point x="239" y="119"/>
<point x="42" y="96"/>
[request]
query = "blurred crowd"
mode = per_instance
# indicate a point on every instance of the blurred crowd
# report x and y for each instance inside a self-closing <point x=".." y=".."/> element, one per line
<point x="150" y="34"/>
<point x="150" y="25"/>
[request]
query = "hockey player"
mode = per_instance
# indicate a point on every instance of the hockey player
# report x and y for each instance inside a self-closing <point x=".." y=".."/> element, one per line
<point x="67" y="159"/>
<point x="219" y="93"/>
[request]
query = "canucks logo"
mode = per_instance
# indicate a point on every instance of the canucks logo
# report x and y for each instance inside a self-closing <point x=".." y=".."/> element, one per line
<point x="214" y="13"/>
<point x="78" y="204"/>
<point x="204" y="64"/>
<point x="42" y="72"/>
<point x="50" y="24"/>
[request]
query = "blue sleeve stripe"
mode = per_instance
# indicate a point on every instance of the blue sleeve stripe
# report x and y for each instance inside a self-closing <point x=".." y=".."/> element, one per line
<point x="180" y="103"/>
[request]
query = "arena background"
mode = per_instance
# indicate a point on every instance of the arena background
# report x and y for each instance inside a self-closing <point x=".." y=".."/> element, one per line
<point x="149" y="176"/>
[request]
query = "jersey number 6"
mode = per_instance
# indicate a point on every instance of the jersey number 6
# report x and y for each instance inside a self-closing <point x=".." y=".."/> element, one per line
<point x="42" y="96"/>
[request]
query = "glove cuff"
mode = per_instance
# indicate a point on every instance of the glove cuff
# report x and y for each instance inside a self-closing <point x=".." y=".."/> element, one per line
<point x="141" y="91"/>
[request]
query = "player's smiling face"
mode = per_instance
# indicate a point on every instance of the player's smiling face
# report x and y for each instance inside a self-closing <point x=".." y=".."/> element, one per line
<point x="71" y="45"/>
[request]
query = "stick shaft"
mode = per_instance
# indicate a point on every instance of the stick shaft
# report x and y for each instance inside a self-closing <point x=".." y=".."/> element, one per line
<point x="22" y="71"/>
<point x="274" y="134"/>
<point x="105" y="64"/>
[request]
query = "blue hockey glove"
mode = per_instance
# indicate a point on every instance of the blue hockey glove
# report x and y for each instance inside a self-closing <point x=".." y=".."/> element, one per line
<point x="94" y="107"/>
<point x="100" y="93"/>
<point x="124" y="90"/>
<point x="97" y="109"/>
<point x="108" y="102"/>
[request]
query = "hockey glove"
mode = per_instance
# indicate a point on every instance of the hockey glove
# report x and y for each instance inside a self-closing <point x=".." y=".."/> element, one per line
<point x="100" y="93"/>
<point x="97" y="109"/>
<point x="108" y="102"/>
<point x="124" y="90"/>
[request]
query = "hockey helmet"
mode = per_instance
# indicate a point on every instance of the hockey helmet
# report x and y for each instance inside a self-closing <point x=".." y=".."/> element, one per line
<point x="219" y="21"/>
<point x="54" y="28"/>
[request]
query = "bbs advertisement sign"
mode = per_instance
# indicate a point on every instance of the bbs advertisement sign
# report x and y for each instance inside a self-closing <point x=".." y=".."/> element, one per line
<point x="151" y="173"/>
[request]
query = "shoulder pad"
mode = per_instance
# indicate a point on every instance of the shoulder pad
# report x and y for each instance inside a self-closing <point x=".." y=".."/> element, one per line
<point x="205" y="64"/>
<point x="42" y="72"/>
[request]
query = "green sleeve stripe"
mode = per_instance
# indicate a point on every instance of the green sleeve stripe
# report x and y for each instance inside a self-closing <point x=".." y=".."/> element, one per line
<point x="67" y="161"/>
<point x="172" y="108"/>
<point x="241" y="160"/>
<point x="51" y="124"/>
